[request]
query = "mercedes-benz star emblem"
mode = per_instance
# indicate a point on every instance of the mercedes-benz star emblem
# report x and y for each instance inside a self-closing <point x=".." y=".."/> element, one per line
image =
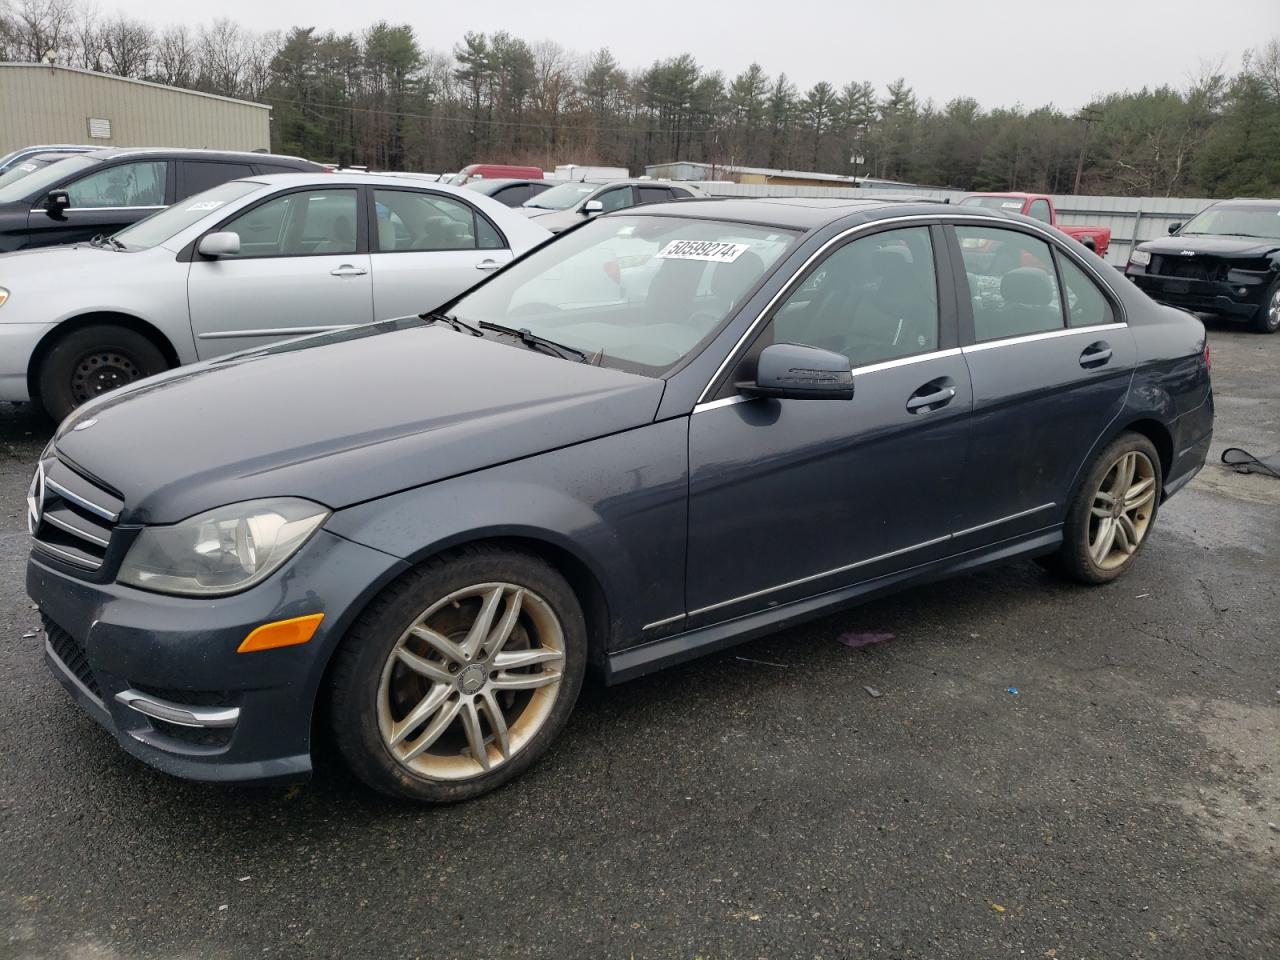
<point x="35" y="500"/>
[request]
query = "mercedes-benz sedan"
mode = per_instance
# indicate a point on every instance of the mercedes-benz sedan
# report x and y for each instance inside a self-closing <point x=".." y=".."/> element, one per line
<point x="670" y="430"/>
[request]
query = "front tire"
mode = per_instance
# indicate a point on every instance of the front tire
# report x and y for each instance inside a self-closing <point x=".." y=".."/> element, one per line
<point x="459" y="675"/>
<point x="1113" y="512"/>
<point x="1267" y="319"/>
<point x="91" y="361"/>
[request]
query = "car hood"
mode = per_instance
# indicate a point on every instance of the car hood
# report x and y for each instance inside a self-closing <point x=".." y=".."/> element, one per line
<point x="42" y="268"/>
<point x="342" y="418"/>
<point x="1212" y="246"/>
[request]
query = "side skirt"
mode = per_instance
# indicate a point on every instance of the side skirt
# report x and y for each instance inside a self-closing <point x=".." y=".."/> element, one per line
<point x="648" y="657"/>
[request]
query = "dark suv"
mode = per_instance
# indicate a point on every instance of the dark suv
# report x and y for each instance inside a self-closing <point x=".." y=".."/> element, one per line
<point x="1225" y="260"/>
<point x="106" y="190"/>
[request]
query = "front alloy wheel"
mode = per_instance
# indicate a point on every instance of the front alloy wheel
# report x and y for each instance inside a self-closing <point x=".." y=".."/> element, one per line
<point x="1268" y="318"/>
<point x="471" y="682"/>
<point x="459" y="675"/>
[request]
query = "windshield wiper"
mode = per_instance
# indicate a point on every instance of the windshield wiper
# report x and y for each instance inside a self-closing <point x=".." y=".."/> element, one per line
<point x="535" y="342"/>
<point x="102" y="240"/>
<point x="460" y="325"/>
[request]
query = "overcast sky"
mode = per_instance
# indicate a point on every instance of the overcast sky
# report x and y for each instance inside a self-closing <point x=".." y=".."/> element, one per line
<point x="1002" y="52"/>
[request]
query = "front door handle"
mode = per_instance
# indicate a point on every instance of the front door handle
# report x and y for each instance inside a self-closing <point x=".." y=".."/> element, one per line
<point x="1095" y="354"/>
<point x="938" y="395"/>
<point x="347" y="270"/>
<point x="488" y="265"/>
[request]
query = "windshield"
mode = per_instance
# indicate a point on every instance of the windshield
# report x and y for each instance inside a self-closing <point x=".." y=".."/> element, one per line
<point x="159" y="227"/>
<point x="1240" y="221"/>
<point x="28" y="166"/>
<point x="1009" y="204"/>
<point x="641" y="292"/>
<point x="564" y="196"/>
<point x="38" y="180"/>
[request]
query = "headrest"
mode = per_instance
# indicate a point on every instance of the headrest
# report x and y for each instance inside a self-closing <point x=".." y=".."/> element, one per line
<point x="1028" y="286"/>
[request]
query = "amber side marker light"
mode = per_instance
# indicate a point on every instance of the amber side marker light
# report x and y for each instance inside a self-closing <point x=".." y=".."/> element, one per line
<point x="282" y="633"/>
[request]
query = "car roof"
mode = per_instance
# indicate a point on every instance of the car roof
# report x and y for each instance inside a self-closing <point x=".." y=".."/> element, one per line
<point x="180" y="153"/>
<point x="325" y="178"/>
<point x="790" y="213"/>
<point x="1249" y="202"/>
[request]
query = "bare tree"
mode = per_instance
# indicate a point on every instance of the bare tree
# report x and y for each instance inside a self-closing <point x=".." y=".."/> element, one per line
<point x="40" y="30"/>
<point x="129" y="47"/>
<point x="223" y="57"/>
<point x="176" y="58"/>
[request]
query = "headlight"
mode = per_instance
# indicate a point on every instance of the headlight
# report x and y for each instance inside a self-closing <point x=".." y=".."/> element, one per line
<point x="1140" y="258"/>
<point x="223" y="551"/>
<point x="4" y="295"/>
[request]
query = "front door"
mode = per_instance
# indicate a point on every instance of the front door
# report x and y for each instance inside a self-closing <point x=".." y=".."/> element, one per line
<point x="105" y="200"/>
<point x="791" y="498"/>
<point x="303" y="267"/>
<point x="426" y="249"/>
<point x="1050" y="373"/>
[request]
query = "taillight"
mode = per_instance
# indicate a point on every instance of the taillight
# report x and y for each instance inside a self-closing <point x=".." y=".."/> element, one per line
<point x="1208" y="363"/>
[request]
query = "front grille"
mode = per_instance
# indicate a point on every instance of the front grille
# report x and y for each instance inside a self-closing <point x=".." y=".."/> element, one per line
<point x="1189" y="268"/>
<point x="71" y="518"/>
<point x="69" y="650"/>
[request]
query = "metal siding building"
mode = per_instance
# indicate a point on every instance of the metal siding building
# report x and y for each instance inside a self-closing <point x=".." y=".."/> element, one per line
<point x="53" y="104"/>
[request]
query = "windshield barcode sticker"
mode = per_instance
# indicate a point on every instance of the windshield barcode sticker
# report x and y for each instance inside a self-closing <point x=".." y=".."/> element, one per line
<point x="710" y="250"/>
<point x="205" y="205"/>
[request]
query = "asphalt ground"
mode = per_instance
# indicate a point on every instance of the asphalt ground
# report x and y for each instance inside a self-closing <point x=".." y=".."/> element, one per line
<point x="1124" y="802"/>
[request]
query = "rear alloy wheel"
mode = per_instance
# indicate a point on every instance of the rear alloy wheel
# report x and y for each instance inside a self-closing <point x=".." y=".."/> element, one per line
<point x="1113" y="512"/>
<point x="91" y="361"/>
<point x="1267" y="319"/>
<point x="470" y="685"/>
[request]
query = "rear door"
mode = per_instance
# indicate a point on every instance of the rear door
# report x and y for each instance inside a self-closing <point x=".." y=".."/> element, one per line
<point x="791" y="498"/>
<point x="105" y="199"/>
<point x="426" y="248"/>
<point x="303" y="267"/>
<point x="1045" y="390"/>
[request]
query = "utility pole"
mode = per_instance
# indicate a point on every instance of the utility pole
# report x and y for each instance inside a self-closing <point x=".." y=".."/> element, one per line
<point x="1089" y="116"/>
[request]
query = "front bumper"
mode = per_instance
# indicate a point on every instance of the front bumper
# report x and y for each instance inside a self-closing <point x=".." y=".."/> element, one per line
<point x="1234" y="298"/>
<point x="105" y="640"/>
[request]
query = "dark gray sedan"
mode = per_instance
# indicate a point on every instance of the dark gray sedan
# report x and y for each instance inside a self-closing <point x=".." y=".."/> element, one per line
<point x="670" y="430"/>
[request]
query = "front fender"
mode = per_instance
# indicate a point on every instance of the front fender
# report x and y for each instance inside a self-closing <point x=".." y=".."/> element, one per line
<point x="618" y="504"/>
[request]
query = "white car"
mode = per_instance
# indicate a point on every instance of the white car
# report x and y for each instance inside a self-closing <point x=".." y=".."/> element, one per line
<point x="238" y="266"/>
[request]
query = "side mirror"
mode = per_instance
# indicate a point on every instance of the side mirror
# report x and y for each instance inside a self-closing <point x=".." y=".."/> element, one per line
<point x="224" y="244"/>
<point x="592" y="206"/>
<point x="793" y="371"/>
<point x="1174" y="228"/>
<point x="56" y="202"/>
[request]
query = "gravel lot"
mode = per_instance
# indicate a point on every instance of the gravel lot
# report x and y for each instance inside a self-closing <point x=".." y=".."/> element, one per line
<point x="759" y="803"/>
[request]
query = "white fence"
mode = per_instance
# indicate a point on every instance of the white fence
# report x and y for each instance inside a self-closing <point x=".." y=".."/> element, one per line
<point x="1131" y="219"/>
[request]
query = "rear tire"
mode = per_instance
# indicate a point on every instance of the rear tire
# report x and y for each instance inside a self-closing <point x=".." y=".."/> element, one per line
<point x="92" y="361"/>
<point x="1267" y="319"/>
<point x="1113" y="512"/>
<point x="420" y="713"/>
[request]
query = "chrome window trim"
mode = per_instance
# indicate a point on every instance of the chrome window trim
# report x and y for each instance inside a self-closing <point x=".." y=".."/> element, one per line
<point x="943" y="218"/>
<point x="157" y="206"/>
<point x="819" y="576"/>
<point x="80" y="501"/>
<point x="1013" y="516"/>
<point x="1043" y="335"/>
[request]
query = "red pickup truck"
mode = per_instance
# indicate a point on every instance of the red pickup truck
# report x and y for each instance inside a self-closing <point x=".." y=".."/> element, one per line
<point x="1040" y="207"/>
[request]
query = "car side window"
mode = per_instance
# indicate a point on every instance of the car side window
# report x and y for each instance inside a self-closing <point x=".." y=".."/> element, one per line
<point x="1086" y="304"/>
<point x="200" y="175"/>
<point x="1039" y="210"/>
<point x="618" y="199"/>
<point x="122" y="185"/>
<point x="873" y="299"/>
<point x="1012" y="284"/>
<point x="514" y="195"/>
<point x="309" y="222"/>
<point x="654" y="194"/>
<point x="411" y="221"/>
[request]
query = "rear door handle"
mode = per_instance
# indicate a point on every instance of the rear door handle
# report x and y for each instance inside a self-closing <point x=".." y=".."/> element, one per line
<point x="347" y="270"/>
<point x="924" y="402"/>
<point x="1095" y="354"/>
<point x="488" y="265"/>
